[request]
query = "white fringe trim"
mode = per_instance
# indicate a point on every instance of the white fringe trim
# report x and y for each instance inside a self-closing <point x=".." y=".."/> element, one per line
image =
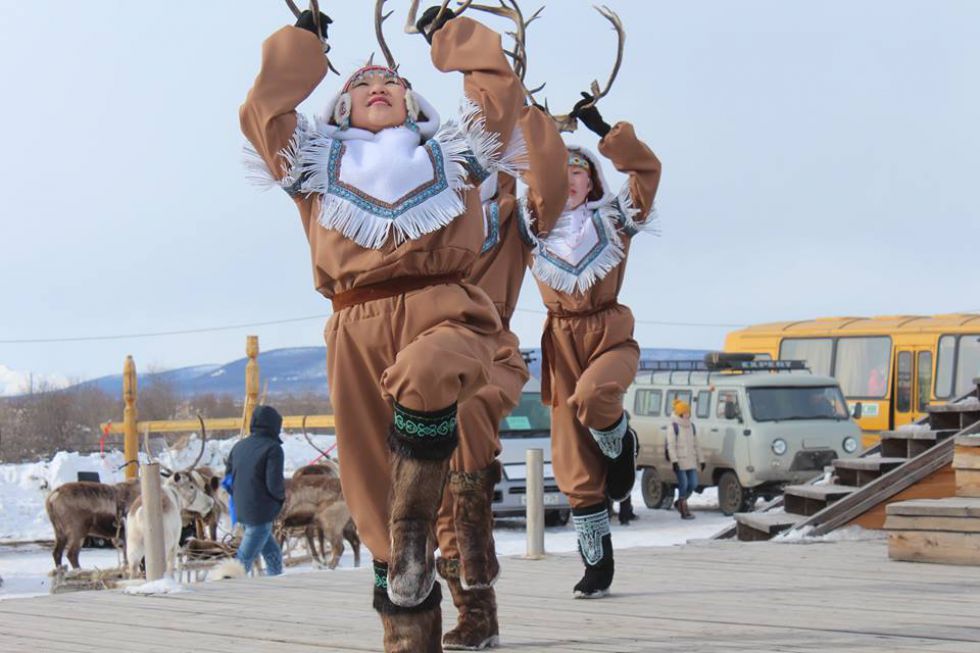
<point x="486" y="146"/>
<point x="369" y="229"/>
<point x="258" y="173"/>
<point x="624" y="212"/>
<point x="608" y="258"/>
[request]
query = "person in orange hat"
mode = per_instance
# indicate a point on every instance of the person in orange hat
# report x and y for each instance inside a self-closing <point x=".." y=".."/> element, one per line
<point x="684" y="452"/>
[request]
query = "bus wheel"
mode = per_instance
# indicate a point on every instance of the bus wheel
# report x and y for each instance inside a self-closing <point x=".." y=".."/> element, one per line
<point x="732" y="497"/>
<point x="656" y="493"/>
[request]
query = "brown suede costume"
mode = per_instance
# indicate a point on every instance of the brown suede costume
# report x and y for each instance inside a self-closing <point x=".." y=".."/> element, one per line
<point x="427" y="348"/>
<point x="465" y="522"/>
<point x="589" y="355"/>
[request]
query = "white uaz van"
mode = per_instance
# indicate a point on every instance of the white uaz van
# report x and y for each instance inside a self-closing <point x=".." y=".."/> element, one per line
<point x="761" y="425"/>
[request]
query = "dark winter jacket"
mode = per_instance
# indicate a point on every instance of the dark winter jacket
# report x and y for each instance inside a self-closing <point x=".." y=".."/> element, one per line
<point x="255" y="465"/>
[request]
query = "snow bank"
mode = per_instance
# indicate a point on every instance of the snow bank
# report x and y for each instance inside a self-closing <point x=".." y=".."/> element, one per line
<point x="23" y="487"/>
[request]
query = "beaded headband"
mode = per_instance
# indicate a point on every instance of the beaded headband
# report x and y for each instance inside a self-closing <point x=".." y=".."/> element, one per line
<point x="578" y="161"/>
<point x="372" y="71"/>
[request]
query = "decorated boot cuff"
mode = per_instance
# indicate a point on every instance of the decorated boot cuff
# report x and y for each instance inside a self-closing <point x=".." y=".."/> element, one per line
<point x="384" y="605"/>
<point x="611" y="441"/>
<point x="591" y="526"/>
<point x="426" y="436"/>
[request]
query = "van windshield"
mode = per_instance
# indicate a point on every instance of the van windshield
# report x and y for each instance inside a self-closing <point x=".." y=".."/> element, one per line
<point x="786" y="403"/>
<point x="530" y="417"/>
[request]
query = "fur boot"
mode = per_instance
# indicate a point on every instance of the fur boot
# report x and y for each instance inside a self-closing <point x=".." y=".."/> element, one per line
<point x="421" y="444"/>
<point x="476" y="626"/>
<point x="408" y="630"/>
<point x="472" y="494"/>
<point x="595" y="547"/>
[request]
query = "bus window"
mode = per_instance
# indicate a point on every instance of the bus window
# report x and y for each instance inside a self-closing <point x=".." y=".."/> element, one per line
<point x="903" y="394"/>
<point x="944" y="367"/>
<point x="726" y="397"/>
<point x="817" y="352"/>
<point x="967" y="363"/>
<point x="924" y="380"/>
<point x="704" y="404"/>
<point x="862" y="366"/>
<point x="683" y="395"/>
<point x="647" y="403"/>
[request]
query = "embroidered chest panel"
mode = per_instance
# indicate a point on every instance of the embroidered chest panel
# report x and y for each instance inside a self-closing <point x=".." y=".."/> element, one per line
<point x="578" y="276"/>
<point x="387" y="210"/>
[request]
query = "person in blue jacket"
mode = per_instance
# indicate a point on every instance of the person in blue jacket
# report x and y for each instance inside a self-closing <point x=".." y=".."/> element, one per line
<point x="255" y="467"/>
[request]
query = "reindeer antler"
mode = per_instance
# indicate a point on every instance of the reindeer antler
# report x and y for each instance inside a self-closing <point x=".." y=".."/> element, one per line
<point x="204" y="441"/>
<point x="379" y="18"/>
<point x="309" y="440"/>
<point x="413" y="13"/>
<point x="315" y="10"/>
<point x="167" y="470"/>
<point x="617" y="23"/>
<point x="566" y="122"/>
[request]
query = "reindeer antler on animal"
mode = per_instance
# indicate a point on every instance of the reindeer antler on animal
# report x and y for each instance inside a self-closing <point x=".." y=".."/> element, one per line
<point x="309" y="440"/>
<point x="167" y="470"/>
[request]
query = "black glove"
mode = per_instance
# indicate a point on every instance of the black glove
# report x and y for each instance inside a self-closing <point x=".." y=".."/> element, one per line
<point x="306" y="21"/>
<point x="702" y="467"/>
<point x="425" y="23"/>
<point x="677" y="468"/>
<point x="590" y="116"/>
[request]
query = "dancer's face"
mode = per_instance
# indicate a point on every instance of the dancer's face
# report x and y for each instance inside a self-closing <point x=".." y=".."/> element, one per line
<point x="579" y="187"/>
<point x="377" y="102"/>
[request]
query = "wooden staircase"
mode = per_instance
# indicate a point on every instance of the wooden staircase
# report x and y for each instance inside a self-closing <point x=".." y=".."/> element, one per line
<point x="942" y="530"/>
<point x="904" y="457"/>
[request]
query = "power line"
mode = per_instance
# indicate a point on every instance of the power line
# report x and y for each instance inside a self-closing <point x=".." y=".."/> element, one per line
<point x="158" y="334"/>
<point x="292" y="320"/>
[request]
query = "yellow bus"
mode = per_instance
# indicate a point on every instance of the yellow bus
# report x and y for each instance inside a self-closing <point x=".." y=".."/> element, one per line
<point x="892" y="366"/>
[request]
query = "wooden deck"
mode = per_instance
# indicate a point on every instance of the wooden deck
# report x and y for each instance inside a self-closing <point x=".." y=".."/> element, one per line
<point x="727" y="596"/>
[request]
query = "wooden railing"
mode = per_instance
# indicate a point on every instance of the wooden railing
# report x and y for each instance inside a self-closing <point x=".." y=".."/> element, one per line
<point x="131" y="429"/>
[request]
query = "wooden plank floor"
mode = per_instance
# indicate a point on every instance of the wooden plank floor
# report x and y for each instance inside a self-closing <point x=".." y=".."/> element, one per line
<point x="728" y="596"/>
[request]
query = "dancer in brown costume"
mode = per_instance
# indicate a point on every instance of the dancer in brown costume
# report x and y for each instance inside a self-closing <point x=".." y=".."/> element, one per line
<point x="589" y="354"/>
<point x="465" y="528"/>
<point x="390" y="203"/>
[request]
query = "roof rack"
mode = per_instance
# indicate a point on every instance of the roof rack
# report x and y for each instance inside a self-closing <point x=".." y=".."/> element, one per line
<point x="720" y="364"/>
<point x="733" y="366"/>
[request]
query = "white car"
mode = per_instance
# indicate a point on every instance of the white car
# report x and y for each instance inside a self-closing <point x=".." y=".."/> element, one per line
<point x="527" y="427"/>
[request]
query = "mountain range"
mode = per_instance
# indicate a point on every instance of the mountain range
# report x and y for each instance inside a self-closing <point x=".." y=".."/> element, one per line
<point x="293" y="371"/>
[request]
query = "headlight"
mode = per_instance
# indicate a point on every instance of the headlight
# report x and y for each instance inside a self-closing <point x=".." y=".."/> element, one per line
<point x="779" y="446"/>
<point x="850" y="445"/>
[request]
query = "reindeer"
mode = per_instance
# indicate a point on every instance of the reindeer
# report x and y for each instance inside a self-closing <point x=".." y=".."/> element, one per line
<point x="178" y="494"/>
<point x="86" y="509"/>
<point x="315" y="504"/>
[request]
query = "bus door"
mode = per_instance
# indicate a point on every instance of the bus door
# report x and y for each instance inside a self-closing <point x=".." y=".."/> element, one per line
<point x="913" y="385"/>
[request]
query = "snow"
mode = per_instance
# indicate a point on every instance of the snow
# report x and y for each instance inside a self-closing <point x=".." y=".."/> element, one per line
<point x="849" y="534"/>
<point x="23" y="488"/>
<point x="162" y="586"/>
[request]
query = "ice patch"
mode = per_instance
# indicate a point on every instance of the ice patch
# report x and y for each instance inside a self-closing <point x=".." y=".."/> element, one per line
<point x="849" y="534"/>
<point x="162" y="586"/>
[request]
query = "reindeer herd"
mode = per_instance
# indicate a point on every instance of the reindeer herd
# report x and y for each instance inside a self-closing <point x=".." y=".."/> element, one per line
<point x="194" y="505"/>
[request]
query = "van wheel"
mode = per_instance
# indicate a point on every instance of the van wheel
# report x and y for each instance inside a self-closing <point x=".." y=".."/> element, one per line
<point x="557" y="517"/>
<point x="732" y="497"/>
<point x="656" y="493"/>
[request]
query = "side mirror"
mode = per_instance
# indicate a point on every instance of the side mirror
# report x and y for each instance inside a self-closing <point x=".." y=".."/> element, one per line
<point x="858" y="410"/>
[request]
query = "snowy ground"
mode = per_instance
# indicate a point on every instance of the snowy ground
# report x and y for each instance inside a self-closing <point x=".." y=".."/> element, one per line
<point x="24" y="568"/>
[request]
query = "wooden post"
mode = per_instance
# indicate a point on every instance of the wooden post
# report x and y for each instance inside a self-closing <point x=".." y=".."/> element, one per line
<point x="156" y="563"/>
<point x="251" y="382"/>
<point x="535" y="504"/>
<point x="131" y="437"/>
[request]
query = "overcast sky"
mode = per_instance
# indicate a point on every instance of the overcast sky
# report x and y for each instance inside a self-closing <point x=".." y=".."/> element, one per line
<point x="819" y="159"/>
